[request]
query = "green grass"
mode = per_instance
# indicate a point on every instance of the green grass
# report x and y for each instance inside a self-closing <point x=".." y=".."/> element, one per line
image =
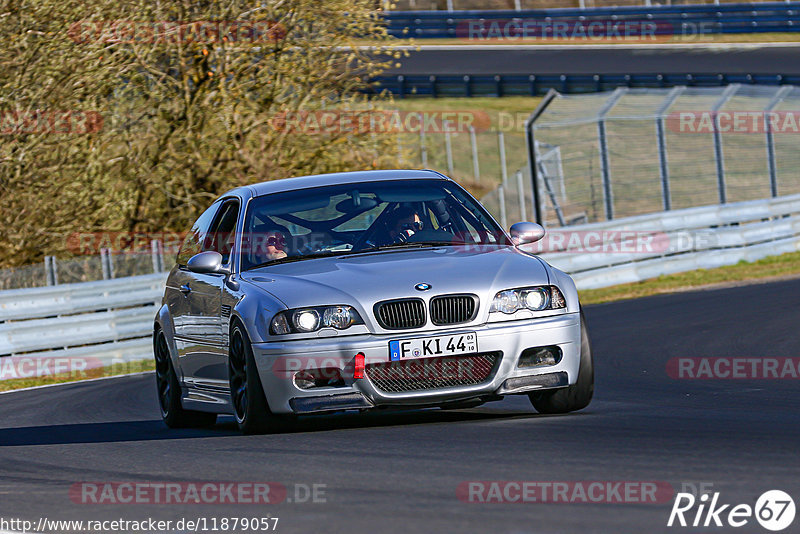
<point x="112" y="370"/>
<point x="784" y="265"/>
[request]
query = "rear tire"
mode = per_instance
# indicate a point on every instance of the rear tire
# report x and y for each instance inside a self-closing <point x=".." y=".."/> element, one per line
<point x="576" y="396"/>
<point x="250" y="407"/>
<point x="169" y="391"/>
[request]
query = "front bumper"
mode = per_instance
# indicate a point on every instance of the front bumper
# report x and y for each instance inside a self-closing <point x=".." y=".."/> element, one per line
<point x="277" y="362"/>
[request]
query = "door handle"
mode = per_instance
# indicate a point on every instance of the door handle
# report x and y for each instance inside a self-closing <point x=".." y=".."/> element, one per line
<point x="185" y="289"/>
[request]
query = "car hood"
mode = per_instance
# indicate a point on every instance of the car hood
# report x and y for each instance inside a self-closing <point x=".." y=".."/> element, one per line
<point x="363" y="279"/>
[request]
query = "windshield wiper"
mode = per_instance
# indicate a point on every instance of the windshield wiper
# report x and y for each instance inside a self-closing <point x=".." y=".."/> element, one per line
<point x="420" y="244"/>
<point x="330" y="253"/>
<point x="300" y="257"/>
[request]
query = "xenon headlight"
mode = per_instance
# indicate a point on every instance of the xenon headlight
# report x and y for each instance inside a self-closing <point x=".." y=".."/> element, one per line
<point x="528" y="298"/>
<point x="303" y="320"/>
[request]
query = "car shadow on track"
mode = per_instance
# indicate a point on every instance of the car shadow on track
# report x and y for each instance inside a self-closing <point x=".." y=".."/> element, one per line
<point x="149" y="430"/>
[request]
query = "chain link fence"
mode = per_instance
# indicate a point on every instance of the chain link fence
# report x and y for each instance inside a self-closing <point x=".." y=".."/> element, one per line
<point x="105" y="266"/>
<point x="636" y="151"/>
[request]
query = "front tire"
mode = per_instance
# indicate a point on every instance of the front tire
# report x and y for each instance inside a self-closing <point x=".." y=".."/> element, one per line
<point x="576" y="396"/>
<point x="169" y="391"/>
<point x="250" y="406"/>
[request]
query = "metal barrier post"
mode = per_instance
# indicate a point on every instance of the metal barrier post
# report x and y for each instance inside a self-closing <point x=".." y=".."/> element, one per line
<point x="157" y="252"/>
<point x="51" y="270"/>
<point x="771" y="165"/>
<point x="663" y="167"/>
<point x="107" y="263"/>
<point x="605" y="171"/>
<point x="719" y="157"/>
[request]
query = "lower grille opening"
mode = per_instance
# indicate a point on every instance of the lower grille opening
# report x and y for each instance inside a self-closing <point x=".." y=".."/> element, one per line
<point x="433" y="373"/>
<point x="328" y="377"/>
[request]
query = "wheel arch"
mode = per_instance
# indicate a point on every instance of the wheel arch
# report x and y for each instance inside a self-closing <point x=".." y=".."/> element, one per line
<point x="163" y="321"/>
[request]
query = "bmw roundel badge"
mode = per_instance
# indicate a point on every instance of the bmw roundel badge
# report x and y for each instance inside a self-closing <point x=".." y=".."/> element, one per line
<point x="422" y="287"/>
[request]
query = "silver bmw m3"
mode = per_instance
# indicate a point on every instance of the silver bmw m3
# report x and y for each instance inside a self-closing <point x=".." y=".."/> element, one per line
<point x="361" y="291"/>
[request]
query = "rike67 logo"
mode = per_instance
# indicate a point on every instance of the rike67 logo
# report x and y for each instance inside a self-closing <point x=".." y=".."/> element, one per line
<point x="774" y="510"/>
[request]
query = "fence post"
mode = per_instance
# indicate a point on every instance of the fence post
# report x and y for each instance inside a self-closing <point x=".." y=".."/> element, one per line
<point x="423" y="149"/>
<point x="518" y="5"/>
<point x="501" y="142"/>
<point x="501" y="197"/>
<point x="107" y="263"/>
<point x="521" y="188"/>
<point x="663" y="166"/>
<point x="51" y="270"/>
<point x="719" y="157"/>
<point x="448" y="147"/>
<point x="771" y="165"/>
<point x="157" y="253"/>
<point x="474" y="142"/>
<point x="605" y="171"/>
<point x="530" y="141"/>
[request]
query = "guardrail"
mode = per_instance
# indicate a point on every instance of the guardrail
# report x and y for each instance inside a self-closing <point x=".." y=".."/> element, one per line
<point x="105" y="322"/>
<point x="670" y="20"/>
<point x="535" y="84"/>
<point x="84" y="326"/>
<point x="677" y="241"/>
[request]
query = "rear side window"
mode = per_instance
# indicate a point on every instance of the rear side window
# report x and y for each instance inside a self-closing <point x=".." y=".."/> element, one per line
<point x="197" y="236"/>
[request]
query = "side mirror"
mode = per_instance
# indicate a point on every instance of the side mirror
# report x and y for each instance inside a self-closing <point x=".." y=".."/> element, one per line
<point x="206" y="262"/>
<point x="523" y="233"/>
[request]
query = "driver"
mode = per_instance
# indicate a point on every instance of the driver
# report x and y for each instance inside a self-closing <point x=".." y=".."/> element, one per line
<point x="268" y="243"/>
<point x="404" y="223"/>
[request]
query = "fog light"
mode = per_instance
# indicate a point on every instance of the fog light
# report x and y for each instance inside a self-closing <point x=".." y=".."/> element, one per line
<point x="304" y="380"/>
<point x="358" y="366"/>
<point x="540" y="356"/>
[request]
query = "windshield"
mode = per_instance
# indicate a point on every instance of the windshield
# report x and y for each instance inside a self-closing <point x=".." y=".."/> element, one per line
<point x="362" y="217"/>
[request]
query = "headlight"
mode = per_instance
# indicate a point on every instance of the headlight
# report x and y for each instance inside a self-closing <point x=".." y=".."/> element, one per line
<point x="528" y="298"/>
<point x="339" y="317"/>
<point x="304" y="320"/>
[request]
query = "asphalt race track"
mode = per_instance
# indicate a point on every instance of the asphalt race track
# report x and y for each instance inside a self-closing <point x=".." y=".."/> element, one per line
<point x="398" y="472"/>
<point x="601" y="59"/>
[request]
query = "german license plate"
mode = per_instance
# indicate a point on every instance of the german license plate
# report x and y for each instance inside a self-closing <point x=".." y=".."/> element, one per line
<point x="433" y="346"/>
